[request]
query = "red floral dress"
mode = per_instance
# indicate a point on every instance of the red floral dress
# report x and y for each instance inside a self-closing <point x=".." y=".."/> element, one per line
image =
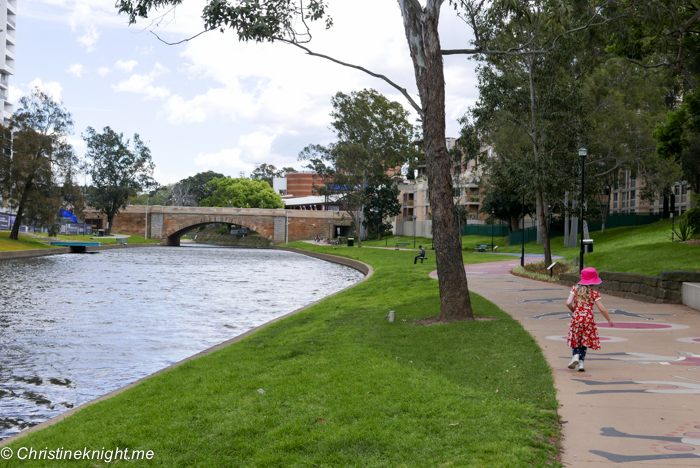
<point x="582" y="330"/>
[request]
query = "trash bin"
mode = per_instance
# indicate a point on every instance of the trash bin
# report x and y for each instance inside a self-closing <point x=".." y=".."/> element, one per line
<point x="351" y="241"/>
<point x="587" y="245"/>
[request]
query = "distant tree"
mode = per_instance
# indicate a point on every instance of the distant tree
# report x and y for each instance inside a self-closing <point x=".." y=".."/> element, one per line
<point x="374" y="137"/>
<point x="199" y="184"/>
<point x="182" y="194"/>
<point x="37" y="179"/>
<point x="267" y="172"/>
<point x="117" y="171"/>
<point x="382" y="203"/>
<point x="242" y="193"/>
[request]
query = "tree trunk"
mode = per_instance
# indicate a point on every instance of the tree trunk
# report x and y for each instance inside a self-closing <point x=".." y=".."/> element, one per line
<point x="110" y="220"/>
<point x="514" y="223"/>
<point x="542" y="221"/>
<point x="424" y="44"/>
<point x="14" y="234"/>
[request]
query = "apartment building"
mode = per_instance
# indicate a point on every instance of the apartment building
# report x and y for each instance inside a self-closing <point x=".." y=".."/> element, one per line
<point x="8" y="17"/>
<point x="415" y="217"/>
<point x="625" y="197"/>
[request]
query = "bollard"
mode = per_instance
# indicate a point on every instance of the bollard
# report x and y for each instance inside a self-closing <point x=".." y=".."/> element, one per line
<point x="392" y="316"/>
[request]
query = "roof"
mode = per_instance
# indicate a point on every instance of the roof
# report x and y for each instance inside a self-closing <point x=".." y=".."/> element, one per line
<point x="312" y="200"/>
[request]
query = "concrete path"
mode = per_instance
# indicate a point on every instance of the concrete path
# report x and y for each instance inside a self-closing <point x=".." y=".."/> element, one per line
<point x="637" y="402"/>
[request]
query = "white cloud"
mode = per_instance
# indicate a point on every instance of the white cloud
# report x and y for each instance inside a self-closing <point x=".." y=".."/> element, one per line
<point x="224" y="159"/>
<point x="143" y="84"/>
<point x="126" y="66"/>
<point x="14" y="95"/>
<point x="51" y="88"/>
<point x="76" y="69"/>
<point x="252" y="148"/>
<point x="103" y="71"/>
<point x="90" y="37"/>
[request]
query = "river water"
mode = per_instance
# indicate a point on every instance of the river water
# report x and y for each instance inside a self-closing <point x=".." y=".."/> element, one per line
<point x="74" y="327"/>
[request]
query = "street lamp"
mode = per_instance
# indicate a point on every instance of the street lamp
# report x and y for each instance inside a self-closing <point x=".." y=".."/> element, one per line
<point x="583" y="152"/>
<point x="492" y="223"/>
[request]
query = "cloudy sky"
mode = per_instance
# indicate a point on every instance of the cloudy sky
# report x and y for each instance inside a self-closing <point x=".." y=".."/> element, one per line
<point x="214" y="103"/>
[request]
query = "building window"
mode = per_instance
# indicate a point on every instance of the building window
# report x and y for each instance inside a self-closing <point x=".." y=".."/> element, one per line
<point x="632" y="198"/>
<point x="615" y="201"/>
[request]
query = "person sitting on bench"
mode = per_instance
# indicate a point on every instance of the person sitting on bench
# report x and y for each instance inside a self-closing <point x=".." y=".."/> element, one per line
<point x="421" y="255"/>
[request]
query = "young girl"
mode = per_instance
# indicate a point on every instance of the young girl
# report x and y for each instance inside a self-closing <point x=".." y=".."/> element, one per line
<point x="583" y="333"/>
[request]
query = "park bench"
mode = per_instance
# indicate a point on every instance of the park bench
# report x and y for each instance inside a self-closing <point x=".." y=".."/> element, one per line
<point x="121" y="240"/>
<point x="401" y="244"/>
<point x="484" y="247"/>
<point x="422" y="258"/>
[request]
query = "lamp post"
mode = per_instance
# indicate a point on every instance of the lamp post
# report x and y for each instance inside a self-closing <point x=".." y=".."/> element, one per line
<point x="414" y="231"/>
<point x="583" y="152"/>
<point x="492" y="223"/>
<point x="522" y="256"/>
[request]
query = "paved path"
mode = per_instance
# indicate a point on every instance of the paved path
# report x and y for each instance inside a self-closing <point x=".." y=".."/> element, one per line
<point x="637" y="403"/>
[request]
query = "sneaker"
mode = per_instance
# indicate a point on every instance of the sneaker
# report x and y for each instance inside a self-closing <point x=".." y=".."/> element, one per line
<point x="574" y="361"/>
<point x="580" y="367"/>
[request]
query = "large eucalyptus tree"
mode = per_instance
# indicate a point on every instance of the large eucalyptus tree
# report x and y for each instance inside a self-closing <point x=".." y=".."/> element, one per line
<point x="287" y="21"/>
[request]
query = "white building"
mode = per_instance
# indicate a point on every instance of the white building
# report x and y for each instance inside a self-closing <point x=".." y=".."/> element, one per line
<point x="8" y="34"/>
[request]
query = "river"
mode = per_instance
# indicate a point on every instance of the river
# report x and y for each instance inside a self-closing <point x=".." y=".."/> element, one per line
<point x="75" y="327"/>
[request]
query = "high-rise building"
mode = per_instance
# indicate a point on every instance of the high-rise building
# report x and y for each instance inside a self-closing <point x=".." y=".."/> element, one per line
<point x="8" y="34"/>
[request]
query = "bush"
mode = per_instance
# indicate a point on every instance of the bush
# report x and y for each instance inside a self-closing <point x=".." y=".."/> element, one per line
<point x="693" y="218"/>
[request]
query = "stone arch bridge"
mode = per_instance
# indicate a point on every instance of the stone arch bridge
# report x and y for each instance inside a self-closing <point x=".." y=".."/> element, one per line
<point x="169" y="223"/>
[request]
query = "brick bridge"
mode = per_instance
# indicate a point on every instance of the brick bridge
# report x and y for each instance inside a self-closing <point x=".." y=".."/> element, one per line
<point x="169" y="223"/>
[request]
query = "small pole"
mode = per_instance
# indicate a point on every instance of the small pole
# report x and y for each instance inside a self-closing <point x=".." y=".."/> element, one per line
<point x="492" y="223"/>
<point x="522" y="256"/>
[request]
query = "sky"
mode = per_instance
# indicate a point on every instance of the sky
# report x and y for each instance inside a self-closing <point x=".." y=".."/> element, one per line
<point x="214" y="103"/>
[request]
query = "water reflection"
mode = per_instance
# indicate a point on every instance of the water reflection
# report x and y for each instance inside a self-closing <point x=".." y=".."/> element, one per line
<point x="74" y="327"/>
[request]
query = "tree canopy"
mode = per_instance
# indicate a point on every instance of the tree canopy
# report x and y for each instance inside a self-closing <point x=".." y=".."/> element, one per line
<point x="374" y="139"/>
<point x="37" y="180"/>
<point x="118" y="172"/>
<point x="242" y="193"/>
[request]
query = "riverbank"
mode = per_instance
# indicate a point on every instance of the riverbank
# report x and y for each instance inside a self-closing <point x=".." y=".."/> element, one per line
<point x="337" y="385"/>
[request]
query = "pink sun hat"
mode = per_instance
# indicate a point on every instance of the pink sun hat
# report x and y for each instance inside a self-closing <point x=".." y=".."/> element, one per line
<point x="589" y="276"/>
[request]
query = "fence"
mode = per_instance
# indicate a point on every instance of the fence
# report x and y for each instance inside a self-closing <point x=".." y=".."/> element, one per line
<point x="557" y="228"/>
<point x="498" y="230"/>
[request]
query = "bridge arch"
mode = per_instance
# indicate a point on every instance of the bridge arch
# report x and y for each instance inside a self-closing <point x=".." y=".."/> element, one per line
<point x="183" y="227"/>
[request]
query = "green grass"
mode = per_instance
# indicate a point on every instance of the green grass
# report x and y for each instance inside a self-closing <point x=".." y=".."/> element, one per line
<point x="23" y="243"/>
<point x="643" y="249"/>
<point x="133" y="239"/>
<point x="342" y="388"/>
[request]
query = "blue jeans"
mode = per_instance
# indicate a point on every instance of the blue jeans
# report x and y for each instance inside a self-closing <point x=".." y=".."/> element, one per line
<point x="581" y="351"/>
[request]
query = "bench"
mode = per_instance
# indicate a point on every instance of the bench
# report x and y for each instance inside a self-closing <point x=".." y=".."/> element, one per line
<point x="484" y="247"/>
<point x="422" y="258"/>
<point x="401" y="244"/>
<point x="121" y="240"/>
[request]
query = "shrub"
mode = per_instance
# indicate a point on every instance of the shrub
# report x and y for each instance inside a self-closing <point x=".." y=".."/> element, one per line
<point x="693" y="218"/>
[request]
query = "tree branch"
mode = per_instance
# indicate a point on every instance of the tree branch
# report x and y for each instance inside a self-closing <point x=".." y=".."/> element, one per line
<point x="180" y="42"/>
<point x="403" y="91"/>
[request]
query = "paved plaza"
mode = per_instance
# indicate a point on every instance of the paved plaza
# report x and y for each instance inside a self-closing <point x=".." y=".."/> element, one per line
<point x="637" y="402"/>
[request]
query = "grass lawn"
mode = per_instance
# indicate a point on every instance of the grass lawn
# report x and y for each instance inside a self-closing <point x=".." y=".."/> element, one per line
<point x="103" y="240"/>
<point x="643" y="249"/>
<point x="338" y="386"/>
<point x="23" y="243"/>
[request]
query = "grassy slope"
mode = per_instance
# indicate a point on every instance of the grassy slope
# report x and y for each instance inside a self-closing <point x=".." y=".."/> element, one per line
<point x="640" y="249"/>
<point x="23" y="243"/>
<point x="104" y="240"/>
<point x="343" y="387"/>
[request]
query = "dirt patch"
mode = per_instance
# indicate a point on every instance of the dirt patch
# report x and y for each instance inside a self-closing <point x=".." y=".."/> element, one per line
<point x="436" y="320"/>
<point x="692" y="242"/>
